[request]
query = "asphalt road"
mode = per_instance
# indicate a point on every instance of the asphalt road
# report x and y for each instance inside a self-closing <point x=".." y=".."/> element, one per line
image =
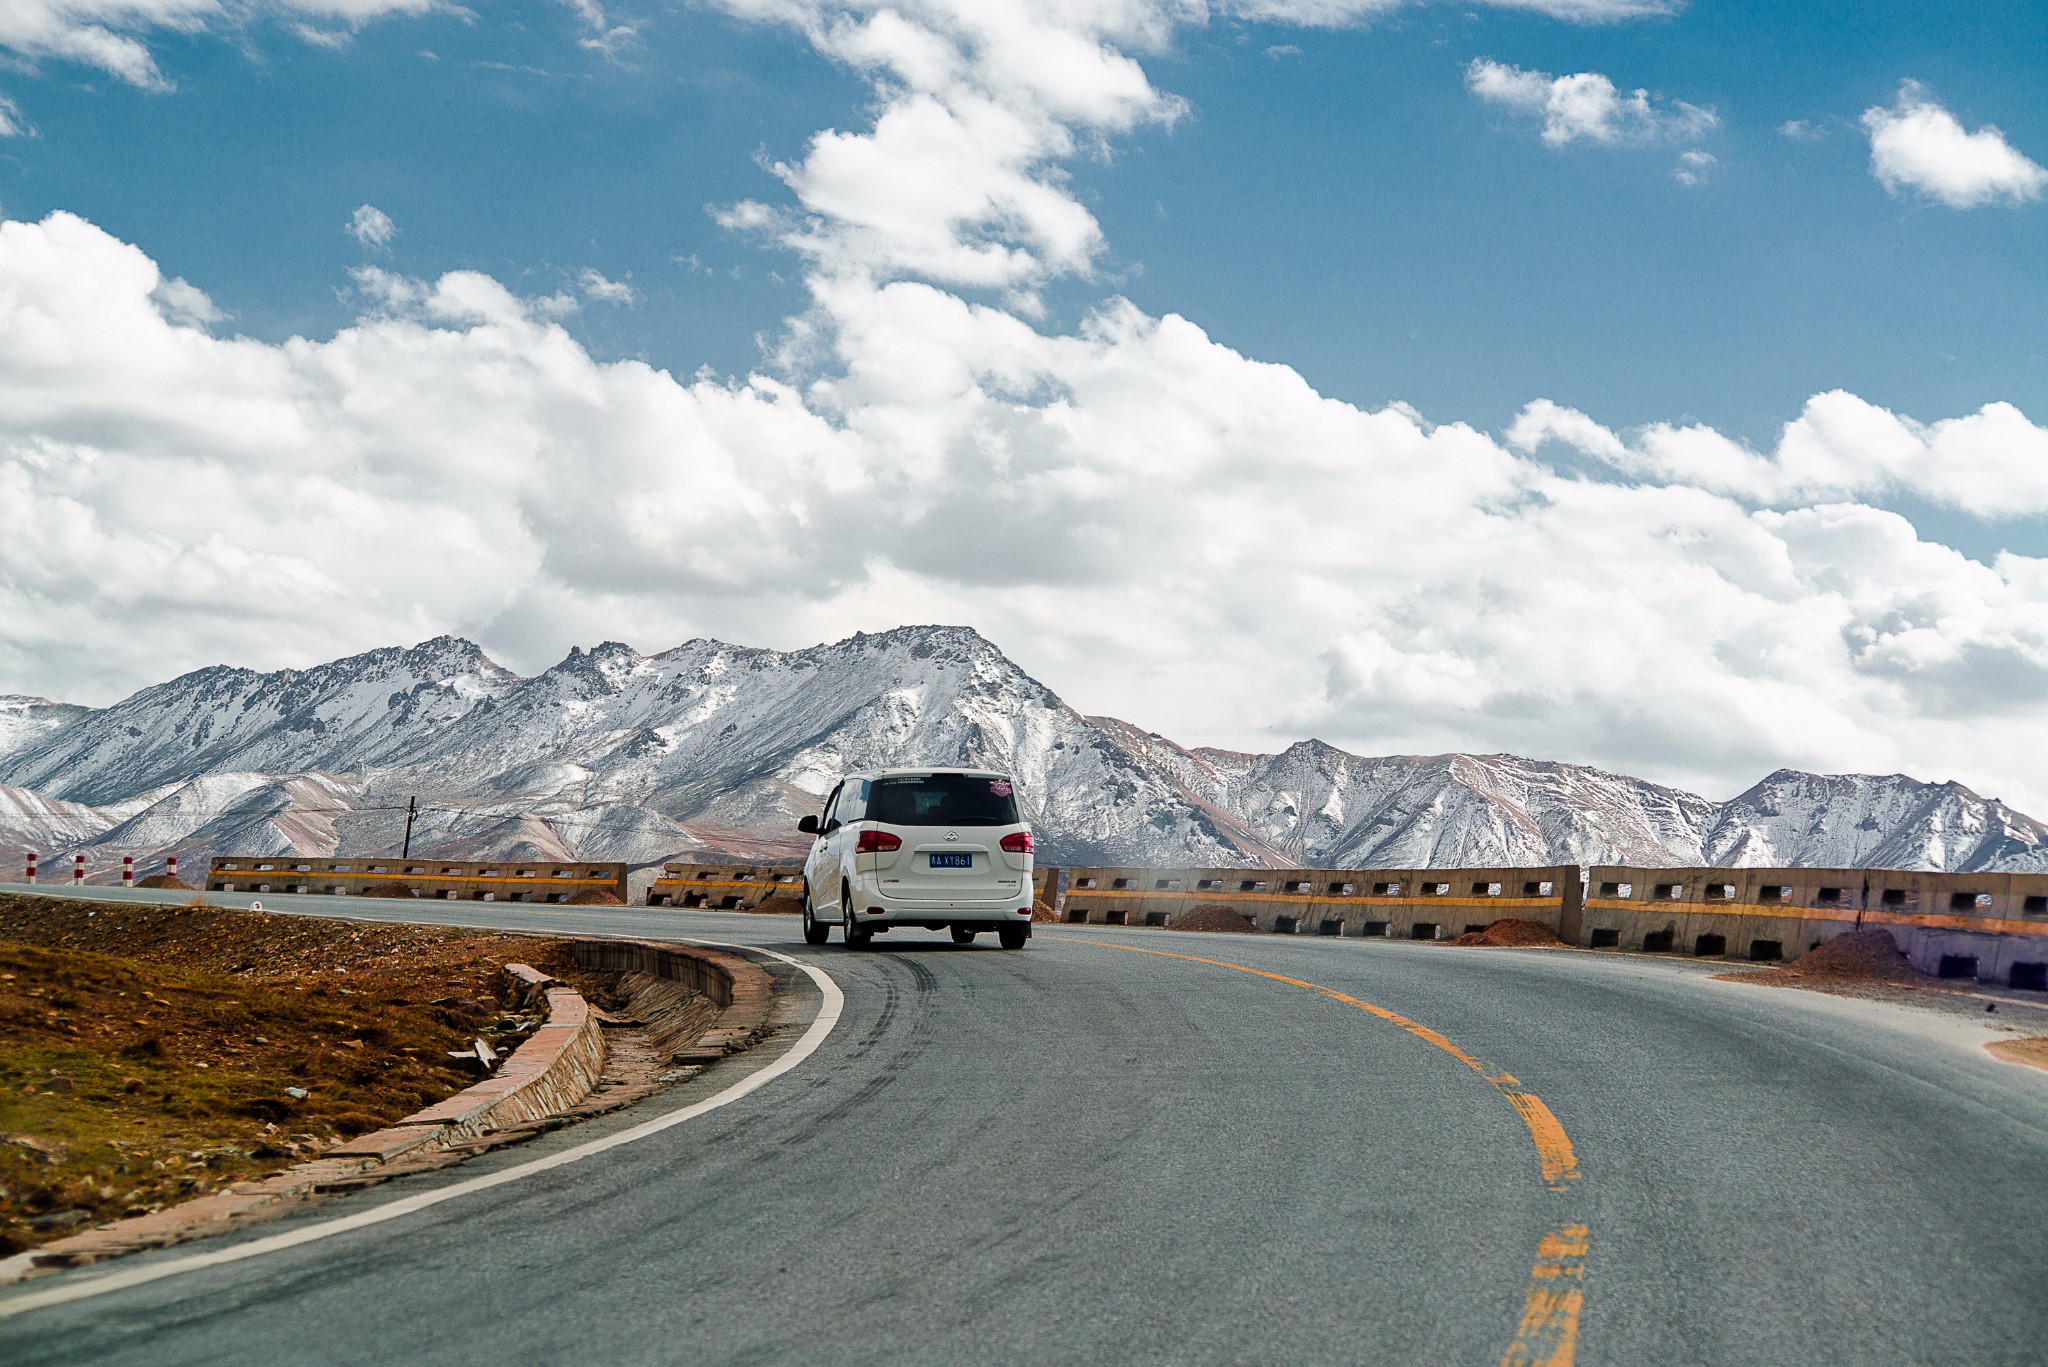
<point x="1077" y="1153"/>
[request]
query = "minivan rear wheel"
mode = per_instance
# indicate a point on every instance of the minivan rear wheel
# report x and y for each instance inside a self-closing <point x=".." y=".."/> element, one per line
<point x="963" y="935"/>
<point x="857" y="936"/>
<point x="1012" y="937"/>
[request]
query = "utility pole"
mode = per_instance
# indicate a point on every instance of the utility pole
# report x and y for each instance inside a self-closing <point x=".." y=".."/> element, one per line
<point x="412" y="806"/>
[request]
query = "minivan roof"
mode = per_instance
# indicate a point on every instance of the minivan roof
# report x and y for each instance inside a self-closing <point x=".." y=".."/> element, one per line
<point x="928" y="769"/>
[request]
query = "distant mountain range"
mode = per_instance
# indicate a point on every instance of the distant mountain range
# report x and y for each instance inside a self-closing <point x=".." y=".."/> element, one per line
<point x="713" y="751"/>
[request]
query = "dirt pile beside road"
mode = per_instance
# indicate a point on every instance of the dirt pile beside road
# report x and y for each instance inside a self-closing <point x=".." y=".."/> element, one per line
<point x="596" y="897"/>
<point x="165" y="880"/>
<point x="1861" y="958"/>
<point x="1214" y="916"/>
<point x="1513" y="932"/>
<point x="392" y="889"/>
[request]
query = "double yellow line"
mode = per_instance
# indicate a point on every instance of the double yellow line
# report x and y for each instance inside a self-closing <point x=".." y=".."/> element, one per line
<point x="1548" y="1332"/>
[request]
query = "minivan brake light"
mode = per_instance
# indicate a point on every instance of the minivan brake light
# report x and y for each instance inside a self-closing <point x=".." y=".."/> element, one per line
<point x="876" y="842"/>
<point x="1017" y="842"/>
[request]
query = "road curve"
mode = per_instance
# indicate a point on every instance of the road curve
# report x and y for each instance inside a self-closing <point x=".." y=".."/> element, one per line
<point x="1102" y="1148"/>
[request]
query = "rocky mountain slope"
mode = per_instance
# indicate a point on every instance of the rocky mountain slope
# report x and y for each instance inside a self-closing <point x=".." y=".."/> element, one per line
<point x="713" y="750"/>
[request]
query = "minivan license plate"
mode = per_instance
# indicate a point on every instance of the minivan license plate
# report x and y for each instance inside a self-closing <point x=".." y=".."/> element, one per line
<point x="952" y="861"/>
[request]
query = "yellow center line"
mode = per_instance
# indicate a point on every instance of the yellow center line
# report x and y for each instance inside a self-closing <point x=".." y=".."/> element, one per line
<point x="1547" y="1335"/>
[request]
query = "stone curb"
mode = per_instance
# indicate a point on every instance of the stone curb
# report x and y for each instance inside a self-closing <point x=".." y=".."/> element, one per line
<point x="739" y="985"/>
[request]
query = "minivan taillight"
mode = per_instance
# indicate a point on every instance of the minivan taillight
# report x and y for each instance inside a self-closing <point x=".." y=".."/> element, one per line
<point x="876" y="842"/>
<point x="1017" y="842"/>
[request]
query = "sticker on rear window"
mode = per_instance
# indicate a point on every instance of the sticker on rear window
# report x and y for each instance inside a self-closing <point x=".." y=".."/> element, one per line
<point x="999" y="788"/>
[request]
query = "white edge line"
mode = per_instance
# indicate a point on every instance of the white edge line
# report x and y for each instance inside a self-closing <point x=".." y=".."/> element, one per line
<point x="828" y="1017"/>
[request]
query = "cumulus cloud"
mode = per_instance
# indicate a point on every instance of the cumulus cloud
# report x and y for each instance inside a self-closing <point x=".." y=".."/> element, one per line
<point x="1918" y="145"/>
<point x="1585" y="106"/>
<point x="1991" y="464"/>
<point x="372" y="227"/>
<point x="1124" y="507"/>
<point x="1158" y="525"/>
<point x="959" y="181"/>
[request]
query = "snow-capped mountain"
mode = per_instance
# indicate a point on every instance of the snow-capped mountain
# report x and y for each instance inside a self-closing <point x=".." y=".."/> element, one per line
<point x="713" y="751"/>
<point x="24" y="720"/>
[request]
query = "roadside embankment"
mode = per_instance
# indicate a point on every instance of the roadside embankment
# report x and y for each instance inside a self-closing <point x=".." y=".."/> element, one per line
<point x="150" y="1055"/>
<point x="188" y="1102"/>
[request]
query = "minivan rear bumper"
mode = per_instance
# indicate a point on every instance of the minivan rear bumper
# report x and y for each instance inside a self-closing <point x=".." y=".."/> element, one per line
<point x="877" y="909"/>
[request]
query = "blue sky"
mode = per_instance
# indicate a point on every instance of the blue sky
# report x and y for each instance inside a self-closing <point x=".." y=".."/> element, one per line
<point x="1657" y="385"/>
<point x="1346" y="207"/>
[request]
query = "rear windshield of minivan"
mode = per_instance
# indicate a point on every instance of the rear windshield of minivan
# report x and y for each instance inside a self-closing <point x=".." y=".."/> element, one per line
<point x="942" y="800"/>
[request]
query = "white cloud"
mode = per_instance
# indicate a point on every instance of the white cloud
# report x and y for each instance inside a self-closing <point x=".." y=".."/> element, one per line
<point x="1991" y="464"/>
<point x="113" y="34"/>
<point x="372" y="227"/>
<point x="185" y="304"/>
<point x="595" y="286"/>
<point x="1800" y="130"/>
<point x="1129" y="508"/>
<point x="1585" y="106"/>
<point x="1336" y="13"/>
<point x="12" y="125"/>
<point x="1918" y="145"/>
<point x="1693" y="166"/>
<point x="603" y="36"/>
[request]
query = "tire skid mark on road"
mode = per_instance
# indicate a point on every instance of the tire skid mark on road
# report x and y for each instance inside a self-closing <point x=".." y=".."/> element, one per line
<point x="882" y="1071"/>
<point x="1547" y="1333"/>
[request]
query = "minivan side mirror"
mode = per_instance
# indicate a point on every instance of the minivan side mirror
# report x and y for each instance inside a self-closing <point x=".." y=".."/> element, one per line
<point x="809" y="825"/>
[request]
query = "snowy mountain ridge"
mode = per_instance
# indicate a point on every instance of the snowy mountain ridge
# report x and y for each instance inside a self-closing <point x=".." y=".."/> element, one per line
<point x="713" y="751"/>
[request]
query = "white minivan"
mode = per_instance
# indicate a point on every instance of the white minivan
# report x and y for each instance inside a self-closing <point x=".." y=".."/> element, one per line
<point x="944" y="849"/>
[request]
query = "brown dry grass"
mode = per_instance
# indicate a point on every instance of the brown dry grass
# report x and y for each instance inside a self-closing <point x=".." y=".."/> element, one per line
<point x="145" y="1050"/>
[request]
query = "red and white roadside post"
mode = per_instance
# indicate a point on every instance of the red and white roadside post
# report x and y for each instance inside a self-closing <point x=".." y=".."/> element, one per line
<point x="31" y="866"/>
<point x="127" y="870"/>
<point x="171" y="865"/>
<point x="77" y="870"/>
